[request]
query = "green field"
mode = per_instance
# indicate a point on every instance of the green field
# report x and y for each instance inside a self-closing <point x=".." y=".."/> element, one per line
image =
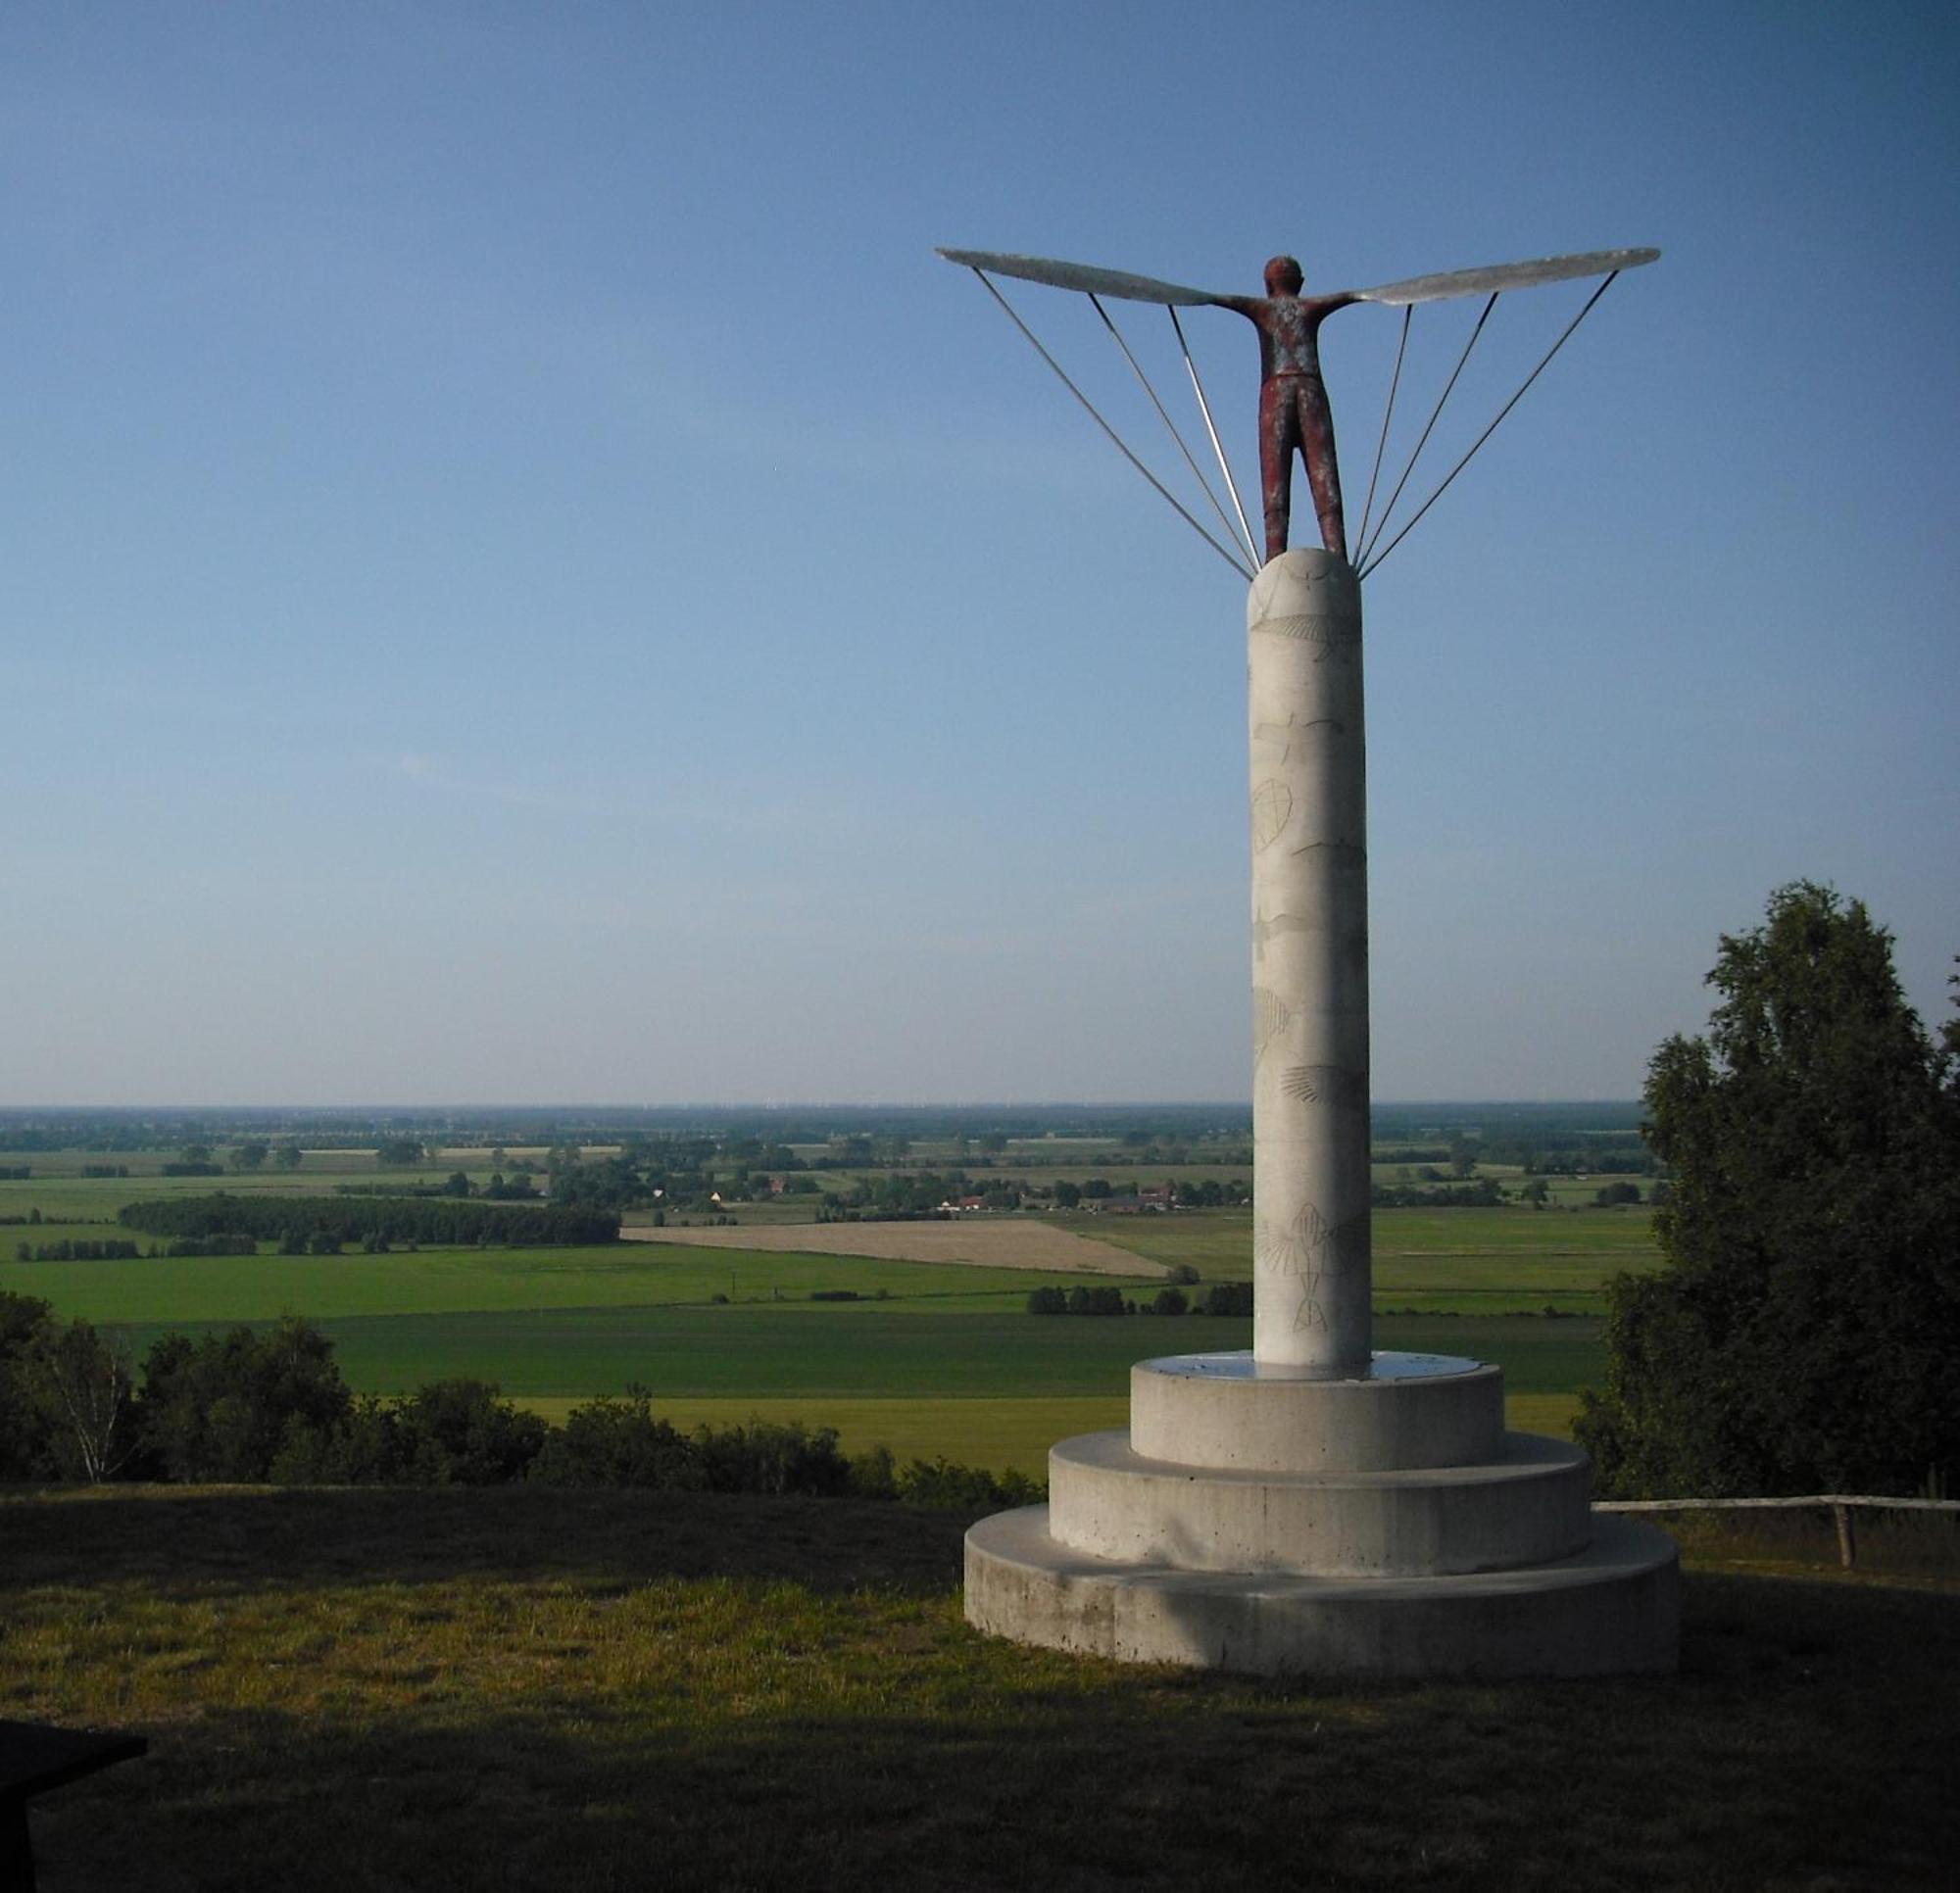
<point x="429" y="1281"/>
<point x="1490" y="1260"/>
<point x="934" y="1358"/>
<point x="863" y="1353"/>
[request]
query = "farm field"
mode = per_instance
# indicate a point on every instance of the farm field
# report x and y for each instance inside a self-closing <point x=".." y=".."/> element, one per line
<point x="1001" y="1434"/>
<point x="1018" y="1242"/>
<point x="1485" y="1258"/>
<point x="933" y="1357"/>
<point x="203" y="1289"/>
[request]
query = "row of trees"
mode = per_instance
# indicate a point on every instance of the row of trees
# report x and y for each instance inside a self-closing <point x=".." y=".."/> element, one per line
<point x="273" y="1407"/>
<point x="1234" y="1298"/>
<point x="435" y="1220"/>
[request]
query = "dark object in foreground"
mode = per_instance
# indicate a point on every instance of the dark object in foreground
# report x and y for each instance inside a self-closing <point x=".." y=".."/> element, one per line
<point x="34" y="1758"/>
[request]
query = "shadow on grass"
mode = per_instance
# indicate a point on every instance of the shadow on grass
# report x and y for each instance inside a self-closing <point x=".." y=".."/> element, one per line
<point x="192" y="1539"/>
<point x="863" y="1739"/>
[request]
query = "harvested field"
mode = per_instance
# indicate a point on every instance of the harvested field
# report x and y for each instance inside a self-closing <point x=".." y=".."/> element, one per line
<point x="973" y="1244"/>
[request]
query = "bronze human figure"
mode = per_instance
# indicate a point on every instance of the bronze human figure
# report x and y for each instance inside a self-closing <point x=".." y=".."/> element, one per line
<point x="1293" y="413"/>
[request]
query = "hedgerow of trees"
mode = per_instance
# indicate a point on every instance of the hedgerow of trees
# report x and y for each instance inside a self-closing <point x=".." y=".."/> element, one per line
<point x="271" y="1406"/>
<point x="437" y="1219"/>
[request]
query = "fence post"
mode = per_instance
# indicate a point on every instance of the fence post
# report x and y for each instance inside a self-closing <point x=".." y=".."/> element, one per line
<point x="1847" y="1540"/>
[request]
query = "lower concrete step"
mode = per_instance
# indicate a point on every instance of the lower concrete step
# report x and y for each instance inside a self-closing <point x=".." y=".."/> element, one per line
<point x="1609" y="1609"/>
<point x="1527" y="1506"/>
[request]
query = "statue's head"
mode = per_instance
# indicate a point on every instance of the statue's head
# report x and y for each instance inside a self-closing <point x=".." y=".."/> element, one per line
<point x="1283" y="277"/>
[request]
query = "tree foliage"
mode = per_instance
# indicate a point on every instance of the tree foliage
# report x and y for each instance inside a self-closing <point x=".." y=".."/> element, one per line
<point x="225" y="1406"/>
<point x="1803" y="1333"/>
<point x="352" y="1219"/>
<point x="65" y="1406"/>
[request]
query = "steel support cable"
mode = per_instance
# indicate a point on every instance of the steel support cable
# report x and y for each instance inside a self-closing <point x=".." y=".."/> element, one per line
<point x="1231" y="559"/>
<point x="1387" y="413"/>
<point x="1197" y="472"/>
<point x="1381" y="525"/>
<point x="1372" y="563"/>
<point x="1211" y="428"/>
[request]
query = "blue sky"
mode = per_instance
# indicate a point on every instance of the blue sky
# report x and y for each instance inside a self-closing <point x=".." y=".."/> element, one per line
<point x="525" y="579"/>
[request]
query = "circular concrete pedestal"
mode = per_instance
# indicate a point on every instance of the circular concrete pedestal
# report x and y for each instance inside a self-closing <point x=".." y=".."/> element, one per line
<point x="1234" y="1412"/>
<point x="1607" y="1609"/>
<point x="1287" y="1521"/>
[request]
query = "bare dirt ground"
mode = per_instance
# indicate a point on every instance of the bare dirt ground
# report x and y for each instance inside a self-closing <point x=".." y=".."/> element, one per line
<point x="974" y="1245"/>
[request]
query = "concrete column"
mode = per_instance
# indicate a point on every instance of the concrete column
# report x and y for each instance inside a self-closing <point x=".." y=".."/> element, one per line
<point x="1310" y="1180"/>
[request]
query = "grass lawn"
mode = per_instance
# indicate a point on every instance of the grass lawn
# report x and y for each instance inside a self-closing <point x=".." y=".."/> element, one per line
<point x="454" y="1690"/>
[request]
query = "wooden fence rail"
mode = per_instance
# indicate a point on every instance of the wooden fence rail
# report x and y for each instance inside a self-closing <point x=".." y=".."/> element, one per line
<point x="1841" y="1505"/>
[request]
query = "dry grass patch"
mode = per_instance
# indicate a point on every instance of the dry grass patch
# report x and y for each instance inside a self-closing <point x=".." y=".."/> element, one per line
<point x="974" y="1245"/>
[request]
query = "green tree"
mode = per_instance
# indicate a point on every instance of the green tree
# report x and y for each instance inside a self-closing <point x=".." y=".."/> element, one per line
<point x="26" y="1450"/>
<point x="288" y="1155"/>
<point x="461" y="1433"/>
<point x="224" y="1407"/>
<point x="1803" y="1333"/>
<point x="78" y="1384"/>
<point x="250" y="1154"/>
<point x="619" y="1442"/>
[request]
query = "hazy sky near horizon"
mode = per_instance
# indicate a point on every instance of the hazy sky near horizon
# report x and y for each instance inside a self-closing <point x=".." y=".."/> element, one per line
<point x="523" y="577"/>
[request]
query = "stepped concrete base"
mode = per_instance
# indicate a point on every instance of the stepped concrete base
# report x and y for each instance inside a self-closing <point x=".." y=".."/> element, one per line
<point x="1284" y="1519"/>
<point x="1526" y="1506"/>
<point x="1607" y="1609"/>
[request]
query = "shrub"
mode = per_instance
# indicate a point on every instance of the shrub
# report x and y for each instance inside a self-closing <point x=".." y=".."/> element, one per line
<point x="769" y="1458"/>
<point x="460" y="1432"/>
<point x="873" y="1474"/>
<point x="944" y="1487"/>
<point x="619" y="1442"/>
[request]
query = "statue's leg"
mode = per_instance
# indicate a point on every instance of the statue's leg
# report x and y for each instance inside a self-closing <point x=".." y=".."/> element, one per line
<point x="1279" y="434"/>
<point x="1323" y="472"/>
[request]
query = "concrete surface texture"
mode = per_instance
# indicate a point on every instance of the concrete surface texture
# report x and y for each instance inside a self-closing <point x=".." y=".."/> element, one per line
<point x="1311" y="1507"/>
<point x="1310" y="1179"/>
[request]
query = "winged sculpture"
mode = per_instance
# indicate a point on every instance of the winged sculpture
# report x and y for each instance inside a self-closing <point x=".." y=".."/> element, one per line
<point x="1293" y="413"/>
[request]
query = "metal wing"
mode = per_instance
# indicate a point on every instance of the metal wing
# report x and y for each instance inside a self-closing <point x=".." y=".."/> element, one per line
<point x="1084" y="276"/>
<point x="1502" y="275"/>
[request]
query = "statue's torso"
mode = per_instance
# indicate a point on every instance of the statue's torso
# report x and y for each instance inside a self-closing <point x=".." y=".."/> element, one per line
<point x="1289" y="332"/>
